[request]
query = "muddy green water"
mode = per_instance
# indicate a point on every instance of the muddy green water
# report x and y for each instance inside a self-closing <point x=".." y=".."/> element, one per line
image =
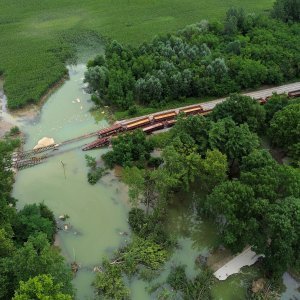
<point x="98" y="214"/>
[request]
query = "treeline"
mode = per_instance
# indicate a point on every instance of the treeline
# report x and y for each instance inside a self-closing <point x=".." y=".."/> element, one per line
<point x="30" y="266"/>
<point x="204" y="59"/>
<point x="253" y="199"/>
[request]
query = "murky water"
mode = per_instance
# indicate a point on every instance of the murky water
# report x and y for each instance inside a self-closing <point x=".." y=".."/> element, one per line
<point x="99" y="213"/>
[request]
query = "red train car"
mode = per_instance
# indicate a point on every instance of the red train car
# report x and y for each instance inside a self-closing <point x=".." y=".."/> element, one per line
<point x="165" y="116"/>
<point x="171" y="123"/>
<point x="193" y="110"/>
<point x="97" y="144"/>
<point x="152" y="128"/>
<point x="294" y="94"/>
<point x="262" y="101"/>
<point x="206" y="112"/>
<point x="110" y="130"/>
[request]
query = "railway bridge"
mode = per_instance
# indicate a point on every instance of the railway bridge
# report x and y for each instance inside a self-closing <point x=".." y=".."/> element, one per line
<point x="148" y="123"/>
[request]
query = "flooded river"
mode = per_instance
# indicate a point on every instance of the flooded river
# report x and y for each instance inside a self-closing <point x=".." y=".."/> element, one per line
<point x="98" y="214"/>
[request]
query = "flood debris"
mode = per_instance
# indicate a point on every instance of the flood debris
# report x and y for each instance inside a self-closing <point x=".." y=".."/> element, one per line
<point x="64" y="217"/>
<point x="246" y="258"/>
<point x="97" y="269"/>
<point x="123" y="233"/>
<point x="74" y="267"/>
<point x="44" y="142"/>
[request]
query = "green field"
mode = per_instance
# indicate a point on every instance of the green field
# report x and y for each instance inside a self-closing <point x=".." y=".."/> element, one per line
<point x="37" y="37"/>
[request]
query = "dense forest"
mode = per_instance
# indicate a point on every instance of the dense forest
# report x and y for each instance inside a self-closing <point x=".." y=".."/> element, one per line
<point x="214" y="59"/>
<point x="253" y="199"/>
<point x="30" y="266"/>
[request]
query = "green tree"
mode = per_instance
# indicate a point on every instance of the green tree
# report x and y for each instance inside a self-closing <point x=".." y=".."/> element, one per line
<point x="196" y="127"/>
<point x="282" y="247"/>
<point x="32" y="220"/>
<point x="231" y="204"/>
<point x="40" y="287"/>
<point x="232" y="140"/>
<point x="128" y="149"/>
<point x="284" y="128"/>
<point x="141" y="187"/>
<point x="110" y="284"/>
<point x="287" y="10"/>
<point x="38" y="257"/>
<point x="275" y="104"/>
<point x="182" y="163"/>
<point x="6" y="244"/>
<point x="294" y="154"/>
<point x="213" y="169"/>
<point x="242" y="109"/>
<point x="249" y="73"/>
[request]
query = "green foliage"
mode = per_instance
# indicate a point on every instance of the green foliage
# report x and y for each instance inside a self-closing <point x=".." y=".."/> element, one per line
<point x="95" y="175"/>
<point x="283" y="221"/>
<point x="213" y="169"/>
<point x="6" y="244"/>
<point x="196" y="288"/>
<point x="294" y="154"/>
<point x="200" y="286"/>
<point x="155" y="162"/>
<point x="195" y="128"/>
<point x="142" y="252"/>
<point x="231" y="203"/>
<point x="203" y="60"/>
<point x="14" y="131"/>
<point x="232" y="140"/>
<point x="40" y="288"/>
<point x="36" y="257"/>
<point x="33" y="219"/>
<point x="109" y="283"/>
<point x="129" y="149"/>
<point x="177" y="278"/>
<point x="35" y="225"/>
<point x="241" y="109"/>
<point x="90" y="161"/>
<point x="149" y="226"/>
<point x="160" y="140"/>
<point x="275" y="104"/>
<point x="259" y="210"/>
<point x="128" y="260"/>
<point x="285" y="127"/>
<point x="287" y="10"/>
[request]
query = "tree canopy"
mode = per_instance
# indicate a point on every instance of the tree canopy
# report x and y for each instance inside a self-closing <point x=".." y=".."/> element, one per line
<point x="287" y="10"/>
<point x="242" y="109"/>
<point x="203" y="59"/>
<point x="40" y="288"/>
<point x="285" y="126"/>
<point x="129" y="149"/>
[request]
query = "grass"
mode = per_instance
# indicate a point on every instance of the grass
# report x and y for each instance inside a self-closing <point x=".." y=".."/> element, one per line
<point x="37" y="37"/>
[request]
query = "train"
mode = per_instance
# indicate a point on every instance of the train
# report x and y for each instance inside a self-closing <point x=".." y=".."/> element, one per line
<point x="158" y="121"/>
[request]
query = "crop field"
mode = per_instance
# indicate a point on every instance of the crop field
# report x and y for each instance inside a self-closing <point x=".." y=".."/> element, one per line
<point x="37" y="37"/>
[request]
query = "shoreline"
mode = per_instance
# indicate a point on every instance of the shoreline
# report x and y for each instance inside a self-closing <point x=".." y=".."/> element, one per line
<point x="30" y="111"/>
